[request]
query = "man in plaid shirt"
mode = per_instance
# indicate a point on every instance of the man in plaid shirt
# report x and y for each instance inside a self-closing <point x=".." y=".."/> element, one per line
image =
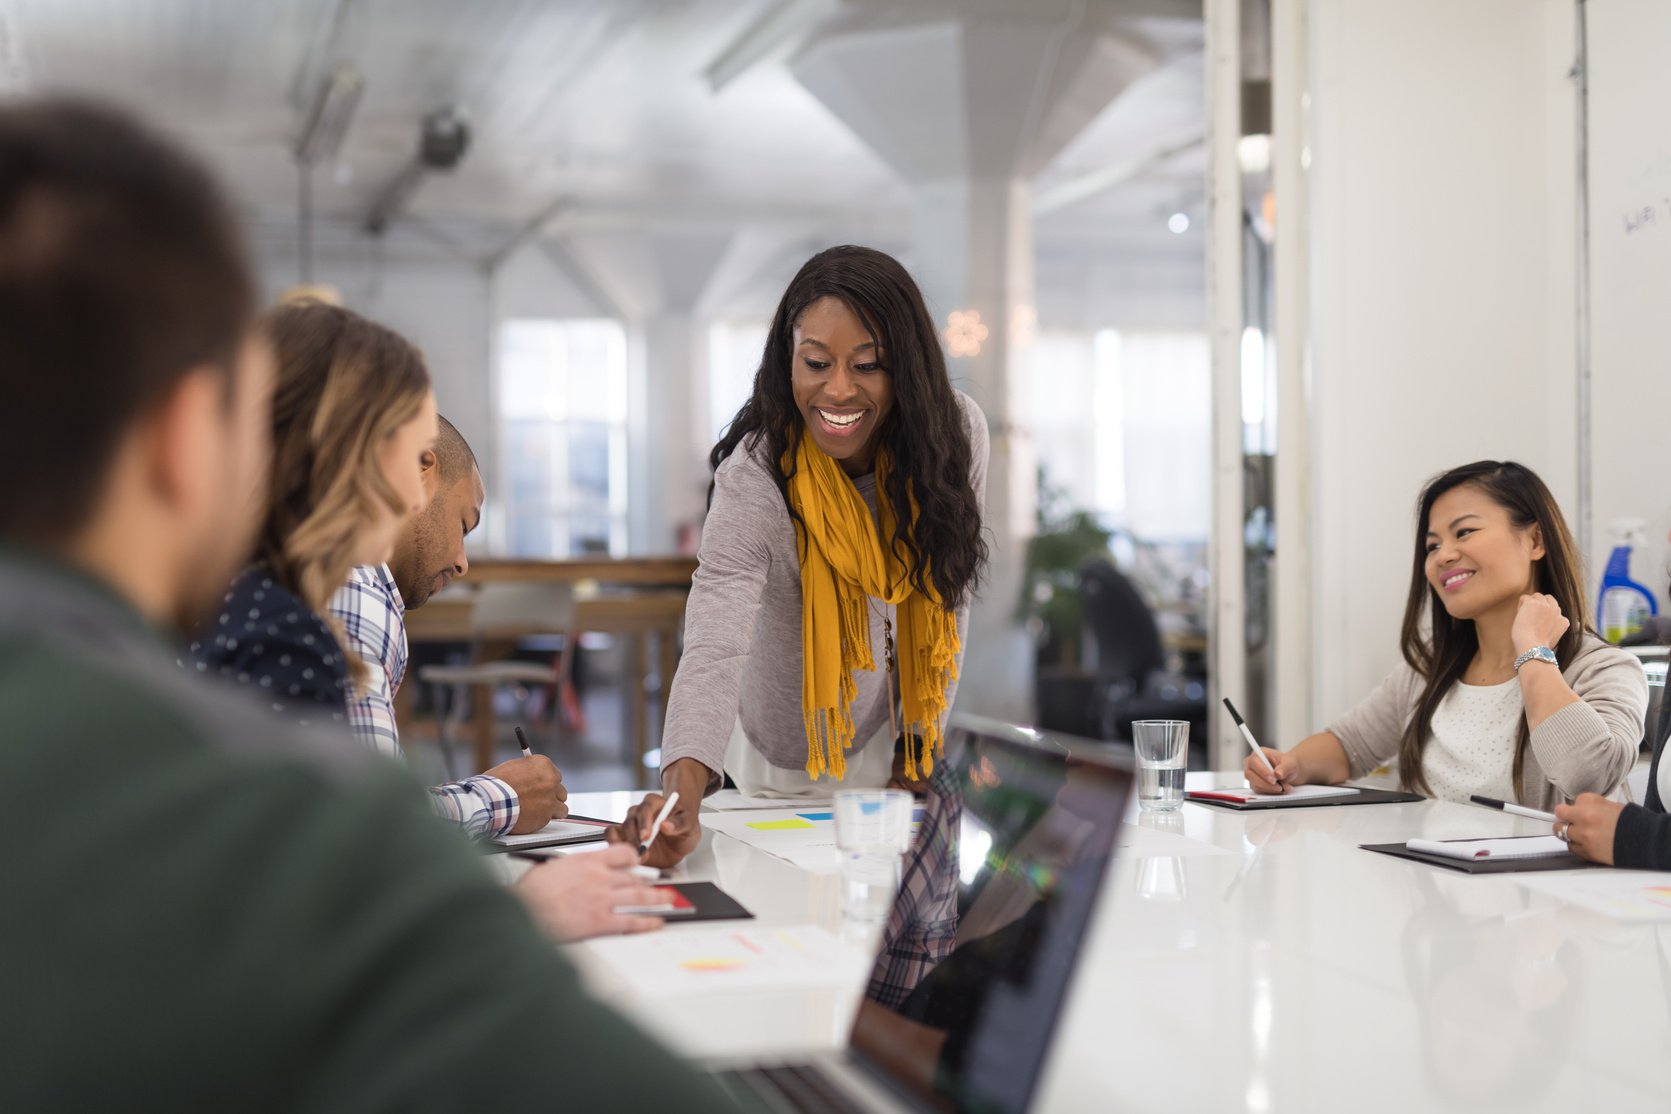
<point x="517" y="796"/>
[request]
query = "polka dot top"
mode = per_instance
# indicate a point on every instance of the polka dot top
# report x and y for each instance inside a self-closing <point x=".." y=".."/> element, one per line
<point x="268" y="639"/>
<point x="1470" y="747"/>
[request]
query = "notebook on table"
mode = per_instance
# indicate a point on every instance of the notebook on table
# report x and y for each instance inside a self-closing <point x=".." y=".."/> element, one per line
<point x="558" y="833"/>
<point x="979" y="948"/>
<point x="1300" y="796"/>
<point x="1505" y="855"/>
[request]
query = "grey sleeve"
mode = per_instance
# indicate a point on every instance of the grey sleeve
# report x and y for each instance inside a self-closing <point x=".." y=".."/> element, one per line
<point x="1371" y="731"/>
<point x="1589" y="746"/>
<point x="725" y="595"/>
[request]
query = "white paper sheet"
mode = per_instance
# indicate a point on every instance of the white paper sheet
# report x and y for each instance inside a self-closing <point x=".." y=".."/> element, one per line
<point x="1514" y="847"/>
<point x="730" y="800"/>
<point x="697" y="960"/>
<point x="552" y="833"/>
<point x="1295" y="793"/>
<point x="1626" y="895"/>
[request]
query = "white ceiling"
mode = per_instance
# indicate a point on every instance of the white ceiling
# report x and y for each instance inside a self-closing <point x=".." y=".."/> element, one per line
<point x="599" y="106"/>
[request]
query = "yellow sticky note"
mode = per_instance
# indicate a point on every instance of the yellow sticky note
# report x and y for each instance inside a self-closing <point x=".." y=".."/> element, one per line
<point x="781" y="825"/>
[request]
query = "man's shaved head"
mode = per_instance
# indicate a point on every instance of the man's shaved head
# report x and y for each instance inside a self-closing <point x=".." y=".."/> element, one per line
<point x="453" y="455"/>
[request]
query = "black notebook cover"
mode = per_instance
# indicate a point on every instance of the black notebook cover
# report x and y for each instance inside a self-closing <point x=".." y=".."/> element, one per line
<point x="711" y="903"/>
<point x="1567" y="861"/>
<point x="1361" y="797"/>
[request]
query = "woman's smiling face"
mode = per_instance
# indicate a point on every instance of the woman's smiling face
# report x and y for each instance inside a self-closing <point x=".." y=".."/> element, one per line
<point x="841" y="383"/>
<point x="1476" y="557"/>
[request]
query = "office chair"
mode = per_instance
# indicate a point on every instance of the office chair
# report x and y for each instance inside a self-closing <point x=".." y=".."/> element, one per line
<point x="1132" y="682"/>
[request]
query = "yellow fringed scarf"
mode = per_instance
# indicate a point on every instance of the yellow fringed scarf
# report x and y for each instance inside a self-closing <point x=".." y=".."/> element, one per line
<point x="843" y="560"/>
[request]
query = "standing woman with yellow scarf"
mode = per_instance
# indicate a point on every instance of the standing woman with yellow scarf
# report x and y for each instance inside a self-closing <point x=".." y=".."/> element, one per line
<point x="825" y="626"/>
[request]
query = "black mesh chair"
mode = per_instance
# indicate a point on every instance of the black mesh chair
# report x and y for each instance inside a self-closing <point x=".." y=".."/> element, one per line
<point x="1132" y="680"/>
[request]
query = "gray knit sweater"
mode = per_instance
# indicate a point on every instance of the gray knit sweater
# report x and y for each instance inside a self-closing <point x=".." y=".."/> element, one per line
<point x="742" y="655"/>
<point x="1587" y="747"/>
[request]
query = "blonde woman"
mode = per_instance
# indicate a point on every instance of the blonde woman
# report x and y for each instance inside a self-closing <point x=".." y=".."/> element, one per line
<point x="352" y="414"/>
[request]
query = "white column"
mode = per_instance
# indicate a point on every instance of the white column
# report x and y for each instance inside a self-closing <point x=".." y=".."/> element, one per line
<point x="1291" y="613"/>
<point x="1227" y="618"/>
<point x="974" y="240"/>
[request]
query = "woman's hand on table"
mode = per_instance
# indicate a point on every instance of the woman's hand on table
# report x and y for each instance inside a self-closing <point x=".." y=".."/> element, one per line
<point x="1287" y="771"/>
<point x="681" y="832"/>
<point x="1588" y="825"/>
<point x="575" y="897"/>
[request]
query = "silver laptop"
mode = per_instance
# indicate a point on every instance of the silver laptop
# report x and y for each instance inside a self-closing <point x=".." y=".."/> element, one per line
<point x="995" y="899"/>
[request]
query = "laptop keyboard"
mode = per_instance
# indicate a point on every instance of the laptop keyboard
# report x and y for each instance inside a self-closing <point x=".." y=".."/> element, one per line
<point x="791" y="1088"/>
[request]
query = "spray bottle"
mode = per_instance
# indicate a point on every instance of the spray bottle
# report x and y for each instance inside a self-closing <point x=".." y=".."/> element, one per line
<point x="1625" y="605"/>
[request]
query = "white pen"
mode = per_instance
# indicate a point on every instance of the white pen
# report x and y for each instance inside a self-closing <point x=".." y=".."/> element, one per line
<point x="1253" y="744"/>
<point x="655" y="829"/>
<point x="1509" y="806"/>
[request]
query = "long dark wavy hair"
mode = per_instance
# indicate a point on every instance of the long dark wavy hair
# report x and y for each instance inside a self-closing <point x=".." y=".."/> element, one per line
<point x="1442" y="658"/>
<point x="924" y="434"/>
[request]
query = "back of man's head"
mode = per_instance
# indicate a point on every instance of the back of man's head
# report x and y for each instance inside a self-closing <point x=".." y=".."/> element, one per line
<point x="120" y="272"/>
<point x="454" y="457"/>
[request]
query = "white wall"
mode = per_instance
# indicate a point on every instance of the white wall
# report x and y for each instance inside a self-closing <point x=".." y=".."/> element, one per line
<point x="1630" y="276"/>
<point x="1442" y="287"/>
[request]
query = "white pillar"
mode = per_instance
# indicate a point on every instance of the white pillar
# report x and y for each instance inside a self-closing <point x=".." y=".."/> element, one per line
<point x="1227" y="618"/>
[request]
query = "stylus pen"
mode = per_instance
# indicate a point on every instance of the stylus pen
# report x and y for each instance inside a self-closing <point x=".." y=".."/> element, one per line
<point x="523" y="740"/>
<point x="1253" y="744"/>
<point x="655" y="829"/>
<point x="1509" y="806"/>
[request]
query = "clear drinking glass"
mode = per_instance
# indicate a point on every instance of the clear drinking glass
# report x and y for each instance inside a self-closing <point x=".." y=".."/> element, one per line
<point x="873" y="829"/>
<point x="1162" y="747"/>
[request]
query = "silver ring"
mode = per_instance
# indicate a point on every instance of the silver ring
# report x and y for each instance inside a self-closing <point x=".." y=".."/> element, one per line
<point x="1562" y="834"/>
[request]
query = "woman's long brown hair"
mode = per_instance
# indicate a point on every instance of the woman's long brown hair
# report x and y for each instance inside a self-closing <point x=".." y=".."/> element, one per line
<point x="1442" y="657"/>
<point x="343" y="385"/>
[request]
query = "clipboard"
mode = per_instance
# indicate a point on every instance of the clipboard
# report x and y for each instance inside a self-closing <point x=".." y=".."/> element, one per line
<point x="1361" y="797"/>
<point x="1566" y="861"/>
<point x="695" y="901"/>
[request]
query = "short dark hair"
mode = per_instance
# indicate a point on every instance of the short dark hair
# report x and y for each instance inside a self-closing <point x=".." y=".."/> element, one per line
<point x="121" y="270"/>
<point x="453" y="455"/>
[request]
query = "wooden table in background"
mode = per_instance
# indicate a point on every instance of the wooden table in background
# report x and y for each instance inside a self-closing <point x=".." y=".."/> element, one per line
<point x="636" y="598"/>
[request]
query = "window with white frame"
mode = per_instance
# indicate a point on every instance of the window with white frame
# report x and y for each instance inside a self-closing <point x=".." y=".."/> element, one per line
<point x="563" y="436"/>
<point x="1121" y="424"/>
<point x="734" y="349"/>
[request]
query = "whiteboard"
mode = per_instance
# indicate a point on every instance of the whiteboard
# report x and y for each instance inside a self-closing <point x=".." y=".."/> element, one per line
<point x="1629" y="53"/>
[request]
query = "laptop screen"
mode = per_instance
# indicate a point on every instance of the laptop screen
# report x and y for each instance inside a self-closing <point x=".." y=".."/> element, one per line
<point x="994" y="901"/>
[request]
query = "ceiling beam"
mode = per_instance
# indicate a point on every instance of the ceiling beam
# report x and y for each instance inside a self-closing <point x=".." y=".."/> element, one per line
<point x="1104" y="178"/>
<point x="771" y="37"/>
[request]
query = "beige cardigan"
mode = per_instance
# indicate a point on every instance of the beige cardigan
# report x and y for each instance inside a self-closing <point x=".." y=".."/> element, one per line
<point x="1587" y="747"/>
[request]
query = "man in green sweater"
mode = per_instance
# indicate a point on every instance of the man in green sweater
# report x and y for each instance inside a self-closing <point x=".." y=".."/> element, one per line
<point x="203" y="910"/>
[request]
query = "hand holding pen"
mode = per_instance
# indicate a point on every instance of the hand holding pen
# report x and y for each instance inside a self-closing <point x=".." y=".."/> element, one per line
<point x="1267" y="771"/>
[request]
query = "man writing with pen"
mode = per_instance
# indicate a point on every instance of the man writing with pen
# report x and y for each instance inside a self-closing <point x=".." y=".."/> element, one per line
<point x="518" y="796"/>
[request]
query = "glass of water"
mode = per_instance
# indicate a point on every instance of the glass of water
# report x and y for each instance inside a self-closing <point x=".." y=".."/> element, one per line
<point x="1162" y="747"/>
<point x="873" y="829"/>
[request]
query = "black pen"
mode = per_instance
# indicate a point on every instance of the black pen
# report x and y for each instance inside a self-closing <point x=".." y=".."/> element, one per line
<point x="1510" y="806"/>
<point x="523" y="740"/>
<point x="1252" y="743"/>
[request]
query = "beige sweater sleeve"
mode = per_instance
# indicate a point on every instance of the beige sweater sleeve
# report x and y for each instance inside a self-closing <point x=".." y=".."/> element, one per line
<point x="1590" y="746"/>
<point x="1371" y="730"/>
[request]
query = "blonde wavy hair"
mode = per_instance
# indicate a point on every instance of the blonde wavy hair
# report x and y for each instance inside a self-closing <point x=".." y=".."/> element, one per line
<point x="343" y="385"/>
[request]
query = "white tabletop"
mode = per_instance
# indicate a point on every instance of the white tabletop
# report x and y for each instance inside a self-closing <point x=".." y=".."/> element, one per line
<point x="1291" y="972"/>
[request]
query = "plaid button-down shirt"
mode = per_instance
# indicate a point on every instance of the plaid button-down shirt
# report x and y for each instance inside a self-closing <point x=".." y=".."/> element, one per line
<point x="922" y="925"/>
<point x="373" y="617"/>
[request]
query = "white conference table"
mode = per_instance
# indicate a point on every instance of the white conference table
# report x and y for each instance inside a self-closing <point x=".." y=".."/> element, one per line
<point x="1274" y="966"/>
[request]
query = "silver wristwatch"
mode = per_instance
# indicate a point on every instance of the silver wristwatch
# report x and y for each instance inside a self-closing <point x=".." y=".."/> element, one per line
<point x="1536" y="653"/>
